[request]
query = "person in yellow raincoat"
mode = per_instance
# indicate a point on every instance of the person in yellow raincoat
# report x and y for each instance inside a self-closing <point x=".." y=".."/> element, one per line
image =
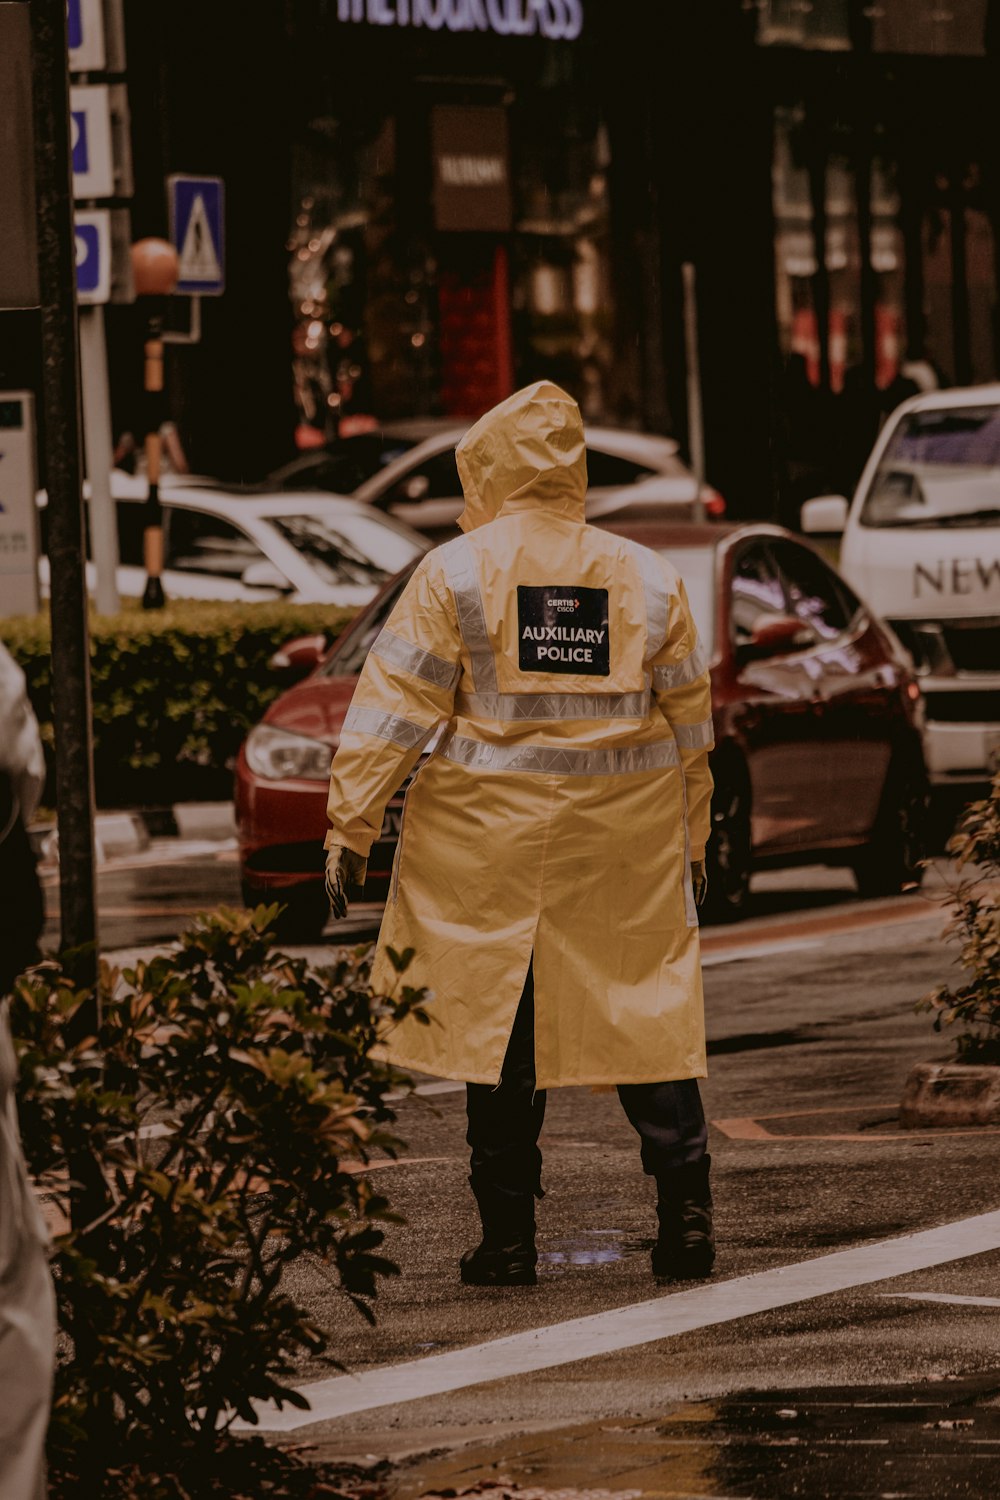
<point x="553" y="839"/>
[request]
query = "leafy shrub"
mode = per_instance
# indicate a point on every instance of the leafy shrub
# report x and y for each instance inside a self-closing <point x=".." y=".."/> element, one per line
<point x="255" y="1072"/>
<point x="174" y="691"/>
<point x="974" y="1005"/>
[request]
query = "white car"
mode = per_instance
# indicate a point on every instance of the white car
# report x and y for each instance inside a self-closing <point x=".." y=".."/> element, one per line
<point x="408" y="469"/>
<point x="308" y="548"/>
<point x="921" y="543"/>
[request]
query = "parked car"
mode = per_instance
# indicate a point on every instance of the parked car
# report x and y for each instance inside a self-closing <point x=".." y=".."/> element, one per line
<point x="408" y="469"/>
<point x="231" y="545"/>
<point x="921" y="541"/>
<point x="817" y="719"/>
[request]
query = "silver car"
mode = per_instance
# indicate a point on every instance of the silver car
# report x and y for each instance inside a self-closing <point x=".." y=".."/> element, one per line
<point x="408" y="470"/>
<point x="308" y="548"/>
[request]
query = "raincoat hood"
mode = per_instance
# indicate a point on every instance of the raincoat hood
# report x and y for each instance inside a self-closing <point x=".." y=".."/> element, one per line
<point x="528" y="449"/>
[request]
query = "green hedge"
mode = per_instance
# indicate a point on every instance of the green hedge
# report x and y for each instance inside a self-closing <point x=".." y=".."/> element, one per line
<point x="174" y="690"/>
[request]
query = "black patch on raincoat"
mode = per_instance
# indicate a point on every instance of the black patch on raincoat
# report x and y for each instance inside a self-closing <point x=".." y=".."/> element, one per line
<point x="563" y="629"/>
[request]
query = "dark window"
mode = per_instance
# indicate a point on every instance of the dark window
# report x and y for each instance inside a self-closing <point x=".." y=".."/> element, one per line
<point x="349" y="549"/>
<point x="435" y="479"/>
<point x="607" y="471"/>
<point x="939" y="468"/>
<point x="342" y="468"/>
<point x="815" y="595"/>
<point x="756" y="592"/>
<point x="198" y="542"/>
<point x="350" y="654"/>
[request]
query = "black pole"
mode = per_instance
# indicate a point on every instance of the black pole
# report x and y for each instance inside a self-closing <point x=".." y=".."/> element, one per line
<point x="818" y="149"/>
<point x="913" y="192"/>
<point x="152" y="537"/>
<point x="64" y="481"/>
<point x="863" y="76"/>
<point x="961" y="330"/>
<point x="992" y="163"/>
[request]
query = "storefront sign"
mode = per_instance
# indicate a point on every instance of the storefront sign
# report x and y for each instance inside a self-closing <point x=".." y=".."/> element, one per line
<point x="470" y="150"/>
<point x="559" y="20"/>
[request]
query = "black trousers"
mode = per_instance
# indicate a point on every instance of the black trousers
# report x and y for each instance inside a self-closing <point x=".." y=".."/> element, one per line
<point x="505" y="1120"/>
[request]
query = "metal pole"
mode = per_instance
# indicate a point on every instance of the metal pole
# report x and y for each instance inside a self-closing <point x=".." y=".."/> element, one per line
<point x="696" y="431"/>
<point x="100" y="456"/>
<point x="61" y="406"/>
<point x="152" y="538"/>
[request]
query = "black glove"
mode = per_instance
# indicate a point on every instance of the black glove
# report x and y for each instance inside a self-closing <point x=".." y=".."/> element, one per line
<point x="344" y="869"/>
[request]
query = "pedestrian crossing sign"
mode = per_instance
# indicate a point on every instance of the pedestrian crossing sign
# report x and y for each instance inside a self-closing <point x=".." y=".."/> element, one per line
<point x="197" y="233"/>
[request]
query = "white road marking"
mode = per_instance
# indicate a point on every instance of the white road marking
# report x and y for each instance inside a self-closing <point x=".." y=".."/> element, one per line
<point x="946" y="1297"/>
<point x="761" y="950"/>
<point x="630" y="1327"/>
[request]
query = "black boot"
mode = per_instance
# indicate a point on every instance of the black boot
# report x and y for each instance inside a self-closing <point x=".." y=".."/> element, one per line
<point x="506" y="1255"/>
<point x="685" y="1249"/>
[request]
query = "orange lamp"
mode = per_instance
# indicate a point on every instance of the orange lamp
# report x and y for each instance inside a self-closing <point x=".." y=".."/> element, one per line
<point x="155" y="267"/>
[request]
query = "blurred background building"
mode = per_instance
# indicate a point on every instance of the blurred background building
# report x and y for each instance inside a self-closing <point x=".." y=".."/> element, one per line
<point x="430" y="202"/>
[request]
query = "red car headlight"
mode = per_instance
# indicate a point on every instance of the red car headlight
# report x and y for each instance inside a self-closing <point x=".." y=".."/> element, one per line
<point x="277" y="755"/>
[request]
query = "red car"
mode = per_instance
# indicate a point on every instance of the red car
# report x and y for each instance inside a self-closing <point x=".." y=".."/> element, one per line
<point x="818" y="722"/>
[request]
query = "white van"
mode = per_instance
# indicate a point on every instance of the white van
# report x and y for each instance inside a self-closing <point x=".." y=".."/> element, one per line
<point x="921" y="544"/>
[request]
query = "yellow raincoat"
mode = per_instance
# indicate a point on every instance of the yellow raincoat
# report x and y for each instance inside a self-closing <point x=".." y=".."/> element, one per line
<point x="559" y="810"/>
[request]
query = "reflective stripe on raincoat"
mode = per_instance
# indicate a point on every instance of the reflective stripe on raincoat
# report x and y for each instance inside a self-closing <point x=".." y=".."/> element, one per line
<point x="559" y="810"/>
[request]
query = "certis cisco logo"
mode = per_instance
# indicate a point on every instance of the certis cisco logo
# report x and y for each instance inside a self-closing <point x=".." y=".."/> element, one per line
<point x="564" y="606"/>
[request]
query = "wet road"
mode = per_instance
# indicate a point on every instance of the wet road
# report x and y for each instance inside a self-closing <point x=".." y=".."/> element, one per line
<point x="815" y="1380"/>
<point x="146" y="898"/>
<point x="812" y="1031"/>
<point x="923" y="1441"/>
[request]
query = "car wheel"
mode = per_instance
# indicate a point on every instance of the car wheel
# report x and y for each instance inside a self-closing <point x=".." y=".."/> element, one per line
<point x="305" y="911"/>
<point x="728" y="858"/>
<point x="890" y="863"/>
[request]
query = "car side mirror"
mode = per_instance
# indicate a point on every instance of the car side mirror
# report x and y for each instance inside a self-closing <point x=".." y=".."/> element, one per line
<point x="775" y="635"/>
<point x="297" y="658"/>
<point x="264" y="574"/>
<point x="826" y="515"/>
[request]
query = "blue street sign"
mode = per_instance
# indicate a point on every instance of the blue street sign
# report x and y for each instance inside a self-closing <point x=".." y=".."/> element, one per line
<point x="74" y="23"/>
<point x="92" y="232"/>
<point x="81" y="142"/>
<point x="88" y="258"/>
<point x="197" y="231"/>
<point x="85" y="34"/>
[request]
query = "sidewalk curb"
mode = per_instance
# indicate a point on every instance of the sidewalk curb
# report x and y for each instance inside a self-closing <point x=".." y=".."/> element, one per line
<point x="131" y="830"/>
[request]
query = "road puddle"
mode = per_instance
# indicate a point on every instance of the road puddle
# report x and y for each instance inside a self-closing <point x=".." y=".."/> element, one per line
<point x="937" y="1439"/>
<point x="594" y="1247"/>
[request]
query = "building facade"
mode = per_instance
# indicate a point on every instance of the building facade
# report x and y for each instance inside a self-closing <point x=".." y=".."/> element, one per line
<point x="431" y="202"/>
<point x="451" y="233"/>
